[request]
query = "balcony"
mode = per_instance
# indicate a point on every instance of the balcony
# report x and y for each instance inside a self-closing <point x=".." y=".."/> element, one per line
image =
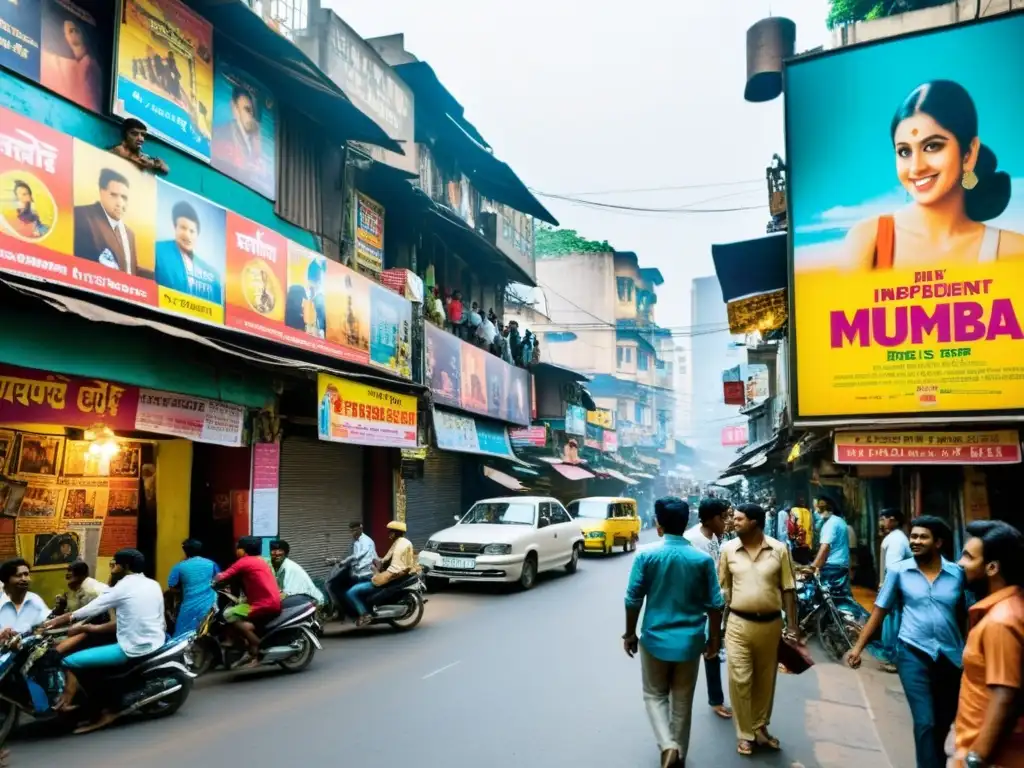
<point x="501" y="231"/>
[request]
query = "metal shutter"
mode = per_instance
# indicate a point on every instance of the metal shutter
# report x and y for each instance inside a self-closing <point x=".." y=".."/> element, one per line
<point x="434" y="499"/>
<point x="321" y="493"/>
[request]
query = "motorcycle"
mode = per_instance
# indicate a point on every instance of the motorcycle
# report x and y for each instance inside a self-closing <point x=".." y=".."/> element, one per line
<point x="399" y="604"/>
<point x="837" y="619"/>
<point x="288" y="640"/>
<point x="32" y="681"/>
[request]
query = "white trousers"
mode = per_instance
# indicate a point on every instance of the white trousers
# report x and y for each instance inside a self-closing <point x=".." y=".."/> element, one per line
<point x="668" y="696"/>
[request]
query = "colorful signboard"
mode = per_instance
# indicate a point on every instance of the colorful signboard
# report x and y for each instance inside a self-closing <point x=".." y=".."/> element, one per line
<point x="575" y="420"/>
<point x="996" y="447"/>
<point x="594" y="437"/>
<point x="194" y="418"/>
<point x="469" y="378"/>
<point x="369" y="236"/>
<point x="465" y="434"/>
<point x="352" y="412"/>
<point x="180" y="253"/>
<point x="735" y="436"/>
<point x="535" y="436"/>
<point x="59" y="44"/>
<point x="244" y="128"/>
<point x="609" y="441"/>
<point x="602" y="417"/>
<point x="164" y="72"/>
<point x="908" y="277"/>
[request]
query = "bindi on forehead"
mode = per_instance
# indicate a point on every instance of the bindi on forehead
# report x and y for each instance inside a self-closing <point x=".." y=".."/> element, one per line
<point x="914" y="132"/>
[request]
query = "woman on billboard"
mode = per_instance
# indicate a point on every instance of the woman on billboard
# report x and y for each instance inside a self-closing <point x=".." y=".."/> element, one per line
<point x="953" y="184"/>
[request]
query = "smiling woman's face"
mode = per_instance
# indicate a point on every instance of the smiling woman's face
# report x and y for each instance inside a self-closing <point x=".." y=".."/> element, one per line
<point x="929" y="161"/>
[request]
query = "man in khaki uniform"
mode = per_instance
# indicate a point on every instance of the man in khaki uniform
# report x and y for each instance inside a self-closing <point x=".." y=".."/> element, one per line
<point x="756" y="576"/>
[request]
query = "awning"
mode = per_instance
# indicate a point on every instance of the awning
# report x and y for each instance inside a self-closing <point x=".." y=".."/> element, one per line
<point x="751" y="266"/>
<point x="561" y="369"/>
<point x="725" y="482"/>
<point x="752" y="459"/>
<point x="288" y="72"/>
<point x="505" y="480"/>
<point x="571" y="472"/>
<point x="617" y="475"/>
<point x="468" y="242"/>
<point x="649" y="462"/>
<point x="644" y="475"/>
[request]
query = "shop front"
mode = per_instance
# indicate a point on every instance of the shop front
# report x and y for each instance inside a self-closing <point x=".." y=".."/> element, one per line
<point x="89" y="466"/>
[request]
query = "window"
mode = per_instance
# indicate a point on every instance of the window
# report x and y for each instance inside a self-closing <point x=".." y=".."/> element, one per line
<point x="643" y="360"/>
<point x="588" y="510"/>
<point x="629" y="354"/>
<point x="619" y="510"/>
<point x="623" y="411"/>
<point x="624" y="285"/>
<point x="500" y="513"/>
<point x="620" y="352"/>
<point x="544" y="519"/>
<point x="559" y="515"/>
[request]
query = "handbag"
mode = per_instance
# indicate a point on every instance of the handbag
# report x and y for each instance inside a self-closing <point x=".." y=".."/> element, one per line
<point x="794" y="657"/>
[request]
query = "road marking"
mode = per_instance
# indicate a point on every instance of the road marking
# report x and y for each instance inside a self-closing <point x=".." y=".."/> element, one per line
<point x="442" y="669"/>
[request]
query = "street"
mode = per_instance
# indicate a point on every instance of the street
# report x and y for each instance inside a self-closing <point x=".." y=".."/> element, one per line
<point x="535" y="679"/>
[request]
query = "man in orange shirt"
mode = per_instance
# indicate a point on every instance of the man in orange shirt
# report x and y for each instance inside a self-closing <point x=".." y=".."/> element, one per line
<point x="989" y="724"/>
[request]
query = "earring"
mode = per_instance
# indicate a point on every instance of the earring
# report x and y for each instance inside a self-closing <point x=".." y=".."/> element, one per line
<point x="969" y="181"/>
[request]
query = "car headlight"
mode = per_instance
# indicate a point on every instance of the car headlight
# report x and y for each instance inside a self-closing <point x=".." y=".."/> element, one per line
<point x="498" y="549"/>
<point x="431" y="546"/>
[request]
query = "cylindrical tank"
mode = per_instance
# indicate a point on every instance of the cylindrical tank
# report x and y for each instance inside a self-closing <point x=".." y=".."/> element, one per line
<point x="769" y="42"/>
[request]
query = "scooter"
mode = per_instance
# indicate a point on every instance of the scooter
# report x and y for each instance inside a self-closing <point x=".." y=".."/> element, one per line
<point x="836" y="619"/>
<point x="32" y="681"/>
<point x="399" y="604"/>
<point x="289" y="640"/>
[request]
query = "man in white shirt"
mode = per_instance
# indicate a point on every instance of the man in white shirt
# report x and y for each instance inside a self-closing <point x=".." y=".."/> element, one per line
<point x="139" y="602"/>
<point x="360" y="559"/>
<point x="292" y="578"/>
<point x="20" y="610"/>
<point x="706" y="536"/>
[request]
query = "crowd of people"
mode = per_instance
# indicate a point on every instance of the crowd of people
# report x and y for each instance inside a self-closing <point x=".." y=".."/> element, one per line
<point x="483" y="329"/>
<point x="958" y="647"/>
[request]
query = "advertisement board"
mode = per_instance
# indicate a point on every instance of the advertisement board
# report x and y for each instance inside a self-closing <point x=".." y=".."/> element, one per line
<point x="906" y="191"/>
<point x="244" y="128"/>
<point x="353" y="412"/>
<point x="995" y="447"/>
<point x="457" y="432"/>
<point x="369" y="235"/>
<point x="182" y="254"/>
<point x="575" y="420"/>
<point x="469" y="378"/>
<point x="164" y="72"/>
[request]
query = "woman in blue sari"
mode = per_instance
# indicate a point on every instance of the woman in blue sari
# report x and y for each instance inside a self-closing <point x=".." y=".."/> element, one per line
<point x="192" y="578"/>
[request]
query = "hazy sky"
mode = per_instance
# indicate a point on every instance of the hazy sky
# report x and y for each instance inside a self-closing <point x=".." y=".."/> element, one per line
<point x="591" y="95"/>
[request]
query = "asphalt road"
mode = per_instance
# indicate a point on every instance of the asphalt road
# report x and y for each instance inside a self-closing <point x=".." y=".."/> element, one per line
<point x="490" y="677"/>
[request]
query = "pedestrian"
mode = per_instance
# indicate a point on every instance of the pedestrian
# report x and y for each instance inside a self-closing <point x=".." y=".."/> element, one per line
<point x="676" y="588"/>
<point x="989" y="719"/>
<point x="191" y="579"/>
<point x="930" y="590"/>
<point x="833" y="559"/>
<point x="705" y="536"/>
<point x="757" y="579"/>
<point x="895" y="549"/>
<point x="801" y="532"/>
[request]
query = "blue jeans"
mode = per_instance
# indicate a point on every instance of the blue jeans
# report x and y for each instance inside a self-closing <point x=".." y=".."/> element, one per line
<point x="837" y="577"/>
<point x="354" y="597"/>
<point x="933" y="691"/>
<point x="100" y="656"/>
<point x="713" y="673"/>
<point x="886" y="650"/>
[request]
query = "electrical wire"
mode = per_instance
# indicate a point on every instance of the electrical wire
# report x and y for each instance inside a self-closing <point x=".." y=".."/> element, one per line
<point x="641" y="209"/>
<point x="638" y="190"/>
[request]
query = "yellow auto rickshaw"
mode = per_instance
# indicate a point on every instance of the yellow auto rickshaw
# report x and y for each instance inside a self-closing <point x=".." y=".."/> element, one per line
<point x="607" y="522"/>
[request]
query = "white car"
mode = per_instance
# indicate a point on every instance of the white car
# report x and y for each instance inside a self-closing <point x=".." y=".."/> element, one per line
<point x="509" y="539"/>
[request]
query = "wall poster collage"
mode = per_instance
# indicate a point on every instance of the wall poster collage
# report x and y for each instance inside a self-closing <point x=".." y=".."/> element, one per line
<point x="61" y="502"/>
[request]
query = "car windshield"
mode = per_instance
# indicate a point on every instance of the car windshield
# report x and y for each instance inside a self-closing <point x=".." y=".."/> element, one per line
<point x="590" y="510"/>
<point x="500" y="513"/>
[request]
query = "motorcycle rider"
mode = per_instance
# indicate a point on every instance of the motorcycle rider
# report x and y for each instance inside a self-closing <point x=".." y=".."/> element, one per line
<point x="82" y="590"/>
<point x="263" y="598"/>
<point x="357" y="567"/>
<point x="833" y="558"/>
<point x="20" y="610"/>
<point x="139" y="602"/>
<point x="292" y="578"/>
<point x="399" y="561"/>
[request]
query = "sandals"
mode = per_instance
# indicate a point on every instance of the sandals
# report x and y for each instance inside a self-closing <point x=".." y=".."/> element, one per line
<point x="765" y="740"/>
<point x="722" y="711"/>
<point x="745" y="747"/>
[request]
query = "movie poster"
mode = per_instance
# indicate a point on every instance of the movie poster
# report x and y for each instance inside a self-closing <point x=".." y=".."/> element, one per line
<point x="906" y="189"/>
<point x="244" y="128"/>
<point x="165" y="72"/>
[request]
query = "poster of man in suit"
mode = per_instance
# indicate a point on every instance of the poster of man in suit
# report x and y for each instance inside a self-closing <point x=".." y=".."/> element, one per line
<point x="101" y="233"/>
<point x="190" y="251"/>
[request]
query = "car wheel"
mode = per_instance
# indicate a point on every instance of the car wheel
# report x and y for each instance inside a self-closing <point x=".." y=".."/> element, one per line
<point x="574" y="562"/>
<point x="529" y="575"/>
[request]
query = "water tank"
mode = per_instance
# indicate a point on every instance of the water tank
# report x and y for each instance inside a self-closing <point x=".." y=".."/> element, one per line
<point x="769" y="42"/>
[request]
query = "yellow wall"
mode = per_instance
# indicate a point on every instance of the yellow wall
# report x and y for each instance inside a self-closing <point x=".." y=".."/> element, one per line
<point x="173" y="500"/>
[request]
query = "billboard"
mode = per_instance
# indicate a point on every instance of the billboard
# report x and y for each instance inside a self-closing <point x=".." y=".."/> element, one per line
<point x="906" y="191"/>
<point x="353" y="412"/>
<point x="244" y="128"/>
<point x="73" y="214"/>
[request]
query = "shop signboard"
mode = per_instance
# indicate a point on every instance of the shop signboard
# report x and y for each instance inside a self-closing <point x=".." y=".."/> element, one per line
<point x="353" y="412"/>
<point x="969" y="448"/>
<point x="164" y="72"/>
<point x="609" y="441"/>
<point x="266" y="485"/>
<point x="733" y="389"/>
<point x="241" y="274"/>
<point x="908" y="277"/>
<point x="60" y="44"/>
<point x="575" y="420"/>
<point x="193" y="418"/>
<point x="465" y="434"/>
<point x="535" y="436"/>
<point x="602" y="417"/>
<point x="369" y="239"/>
<point x="471" y="379"/>
<point x="594" y="437"/>
<point x="29" y="396"/>
<point x="735" y="436"/>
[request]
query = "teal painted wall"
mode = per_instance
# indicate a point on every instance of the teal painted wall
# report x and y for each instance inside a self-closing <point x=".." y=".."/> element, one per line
<point x="187" y="172"/>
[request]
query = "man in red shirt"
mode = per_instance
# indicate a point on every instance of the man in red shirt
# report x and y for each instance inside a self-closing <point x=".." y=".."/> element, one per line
<point x="262" y="596"/>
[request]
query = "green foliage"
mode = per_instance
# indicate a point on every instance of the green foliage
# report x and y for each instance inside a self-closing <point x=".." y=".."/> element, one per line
<point x="849" y="11"/>
<point x="551" y="243"/>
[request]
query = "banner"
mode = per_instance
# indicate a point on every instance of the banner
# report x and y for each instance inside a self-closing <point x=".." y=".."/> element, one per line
<point x="266" y="487"/>
<point x="535" y="436"/>
<point x="609" y="441"/>
<point x="164" y="72"/>
<point x="194" y="418"/>
<point x="29" y="396"/>
<point x="455" y="432"/>
<point x="996" y="447"/>
<point x="351" y="412"/>
<point x="59" y="44"/>
<point x="908" y="244"/>
<point x="85" y="218"/>
<point x="575" y="420"/>
<point x="369" y="239"/>
<point x="602" y="417"/>
<point x="244" y="128"/>
<point x="467" y="377"/>
<point x="735" y="436"/>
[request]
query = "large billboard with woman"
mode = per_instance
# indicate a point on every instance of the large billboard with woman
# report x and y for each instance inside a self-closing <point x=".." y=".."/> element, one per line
<point x="906" y="188"/>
